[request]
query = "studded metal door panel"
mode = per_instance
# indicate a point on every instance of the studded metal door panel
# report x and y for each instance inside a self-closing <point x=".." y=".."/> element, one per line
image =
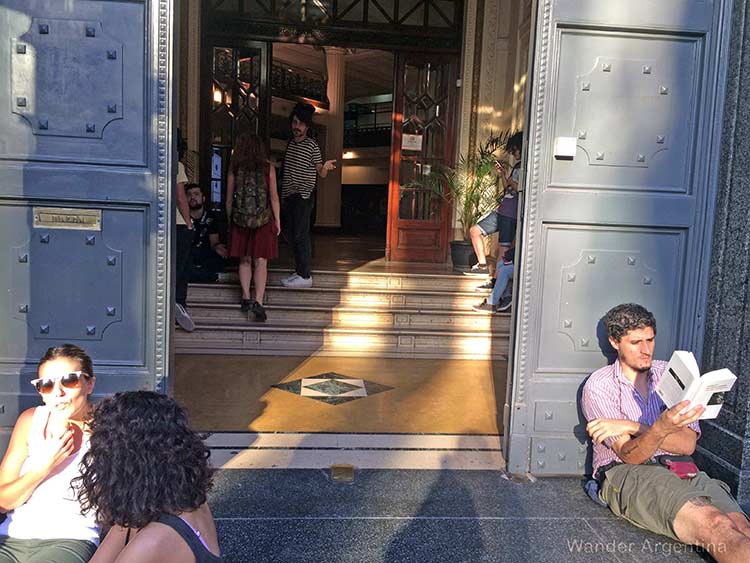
<point x="620" y="174"/>
<point x="85" y="173"/>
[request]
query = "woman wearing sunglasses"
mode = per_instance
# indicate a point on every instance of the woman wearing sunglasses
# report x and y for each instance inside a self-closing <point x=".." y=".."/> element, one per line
<point x="43" y="516"/>
<point x="147" y="476"/>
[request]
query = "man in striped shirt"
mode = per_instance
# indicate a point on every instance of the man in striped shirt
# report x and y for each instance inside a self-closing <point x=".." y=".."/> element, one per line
<point x="302" y="164"/>
<point x="630" y="427"/>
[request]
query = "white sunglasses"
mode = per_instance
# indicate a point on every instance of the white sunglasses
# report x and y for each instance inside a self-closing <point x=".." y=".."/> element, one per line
<point x="70" y="380"/>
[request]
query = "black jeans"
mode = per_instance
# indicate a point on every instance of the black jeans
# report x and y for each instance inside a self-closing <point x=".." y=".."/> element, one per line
<point x="205" y="265"/>
<point x="299" y="213"/>
<point x="183" y="263"/>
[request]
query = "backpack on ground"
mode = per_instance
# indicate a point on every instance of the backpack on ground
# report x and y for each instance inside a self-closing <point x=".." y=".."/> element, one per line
<point x="251" y="207"/>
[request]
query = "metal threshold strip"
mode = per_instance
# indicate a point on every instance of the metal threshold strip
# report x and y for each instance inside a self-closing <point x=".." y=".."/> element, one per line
<point x="250" y="450"/>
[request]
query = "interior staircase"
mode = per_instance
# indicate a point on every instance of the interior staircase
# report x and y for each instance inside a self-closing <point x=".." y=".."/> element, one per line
<point x="361" y="314"/>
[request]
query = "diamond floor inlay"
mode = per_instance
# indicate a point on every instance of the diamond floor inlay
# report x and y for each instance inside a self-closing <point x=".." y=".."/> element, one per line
<point x="332" y="388"/>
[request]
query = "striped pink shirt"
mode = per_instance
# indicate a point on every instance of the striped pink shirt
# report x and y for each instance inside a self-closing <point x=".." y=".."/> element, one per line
<point x="609" y="394"/>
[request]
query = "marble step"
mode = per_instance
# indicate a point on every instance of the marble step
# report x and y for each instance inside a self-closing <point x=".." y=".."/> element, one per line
<point x="379" y="280"/>
<point x="381" y="299"/>
<point x="343" y="317"/>
<point x="386" y="280"/>
<point x="262" y="339"/>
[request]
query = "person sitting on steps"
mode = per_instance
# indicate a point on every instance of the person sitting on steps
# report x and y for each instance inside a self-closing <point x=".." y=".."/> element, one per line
<point x="208" y="252"/>
<point x="501" y="297"/>
<point x="503" y="219"/>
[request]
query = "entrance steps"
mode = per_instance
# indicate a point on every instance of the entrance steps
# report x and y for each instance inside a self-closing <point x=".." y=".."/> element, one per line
<point x="363" y="314"/>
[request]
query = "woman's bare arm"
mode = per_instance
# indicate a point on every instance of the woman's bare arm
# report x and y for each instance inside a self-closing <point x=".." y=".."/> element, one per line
<point x="275" y="206"/>
<point x="230" y="195"/>
<point x="15" y="489"/>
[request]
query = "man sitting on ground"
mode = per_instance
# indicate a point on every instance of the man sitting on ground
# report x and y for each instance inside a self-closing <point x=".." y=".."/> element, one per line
<point x="208" y="252"/>
<point x="632" y="430"/>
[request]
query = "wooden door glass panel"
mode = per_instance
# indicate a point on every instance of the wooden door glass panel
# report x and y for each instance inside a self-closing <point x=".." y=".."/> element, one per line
<point x="235" y="94"/>
<point x="237" y="102"/>
<point x="248" y="91"/>
<point x="440" y="15"/>
<point x="422" y="145"/>
<point x="424" y="133"/>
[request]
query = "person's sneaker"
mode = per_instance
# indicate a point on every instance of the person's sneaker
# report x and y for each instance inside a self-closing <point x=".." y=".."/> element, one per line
<point x="485" y="307"/>
<point x="259" y="312"/>
<point x="183" y="318"/>
<point x="489" y="284"/>
<point x="245" y="305"/>
<point x="286" y="280"/>
<point x="505" y="303"/>
<point x="478" y="270"/>
<point x="299" y="282"/>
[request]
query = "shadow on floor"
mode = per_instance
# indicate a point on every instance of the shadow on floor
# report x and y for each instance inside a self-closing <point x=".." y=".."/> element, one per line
<point x="402" y="516"/>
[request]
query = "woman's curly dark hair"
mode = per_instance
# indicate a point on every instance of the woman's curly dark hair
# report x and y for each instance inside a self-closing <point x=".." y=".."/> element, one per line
<point x="143" y="460"/>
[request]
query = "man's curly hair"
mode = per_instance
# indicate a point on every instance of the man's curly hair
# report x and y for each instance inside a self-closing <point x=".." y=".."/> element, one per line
<point x="143" y="460"/>
<point x="623" y="318"/>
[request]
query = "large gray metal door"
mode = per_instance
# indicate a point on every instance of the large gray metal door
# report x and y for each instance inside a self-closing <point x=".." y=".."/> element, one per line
<point x="85" y="175"/>
<point x="623" y="150"/>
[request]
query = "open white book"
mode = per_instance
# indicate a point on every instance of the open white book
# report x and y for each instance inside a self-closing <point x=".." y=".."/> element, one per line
<point x="682" y="380"/>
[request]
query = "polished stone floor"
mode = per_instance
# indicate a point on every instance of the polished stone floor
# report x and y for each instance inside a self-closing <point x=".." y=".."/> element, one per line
<point x="335" y="251"/>
<point x="353" y="253"/>
<point x="327" y="394"/>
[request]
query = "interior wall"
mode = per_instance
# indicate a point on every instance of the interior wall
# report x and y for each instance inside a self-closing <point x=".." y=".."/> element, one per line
<point x="366" y="166"/>
<point x="504" y="65"/>
<point x="522" y="62"/>
<point x="183" y="32"/>
<point x="495" y="101"/>
<point x="188" y="64"/>
<point x="365" y="73"/>
<point x="493" y="78"/>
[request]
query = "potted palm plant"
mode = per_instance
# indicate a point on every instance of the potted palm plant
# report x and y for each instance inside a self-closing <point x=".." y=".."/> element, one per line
<point x="474" y="191"/>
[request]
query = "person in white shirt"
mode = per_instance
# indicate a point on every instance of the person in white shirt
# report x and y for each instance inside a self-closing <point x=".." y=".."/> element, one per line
<point x="37" y="475"/>
<point x="183" y="260"/>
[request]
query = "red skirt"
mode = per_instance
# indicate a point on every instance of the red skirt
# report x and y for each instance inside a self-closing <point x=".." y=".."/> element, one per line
<point x="256" y="243"/>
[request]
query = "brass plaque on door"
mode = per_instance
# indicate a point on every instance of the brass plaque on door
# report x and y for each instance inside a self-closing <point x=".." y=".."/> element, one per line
<point x="67" y="218"/>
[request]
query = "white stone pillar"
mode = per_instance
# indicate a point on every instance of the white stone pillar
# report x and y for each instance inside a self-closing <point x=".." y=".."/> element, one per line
<point x="329" y="194"/>
<point x="193" y="74"/>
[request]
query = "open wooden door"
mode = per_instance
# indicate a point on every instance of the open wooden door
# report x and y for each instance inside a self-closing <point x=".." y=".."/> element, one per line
<point x="236" y="99"/>
<point x="422" y="143"/>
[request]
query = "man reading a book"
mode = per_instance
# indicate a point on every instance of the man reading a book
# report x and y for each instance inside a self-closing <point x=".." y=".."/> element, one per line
<point x="641" y="448"/>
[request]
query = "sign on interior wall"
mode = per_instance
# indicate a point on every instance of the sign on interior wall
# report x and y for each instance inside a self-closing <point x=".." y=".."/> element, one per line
<point x="411" y="143"/>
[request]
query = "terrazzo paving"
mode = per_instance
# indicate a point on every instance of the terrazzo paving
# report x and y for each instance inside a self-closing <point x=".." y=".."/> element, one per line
<point x="399" y="516"/>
